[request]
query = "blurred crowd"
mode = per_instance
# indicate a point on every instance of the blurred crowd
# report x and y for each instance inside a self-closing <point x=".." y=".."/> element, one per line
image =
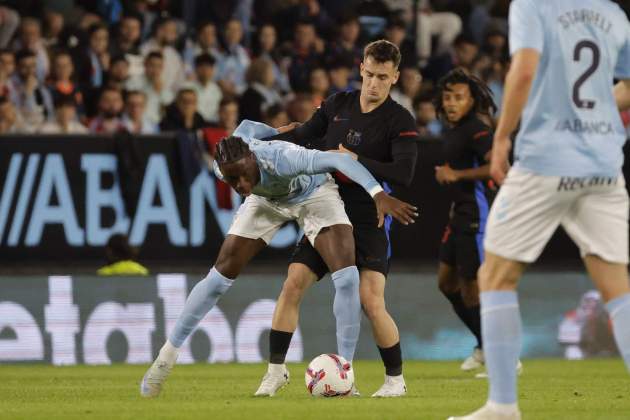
<point x="150" y="66"/>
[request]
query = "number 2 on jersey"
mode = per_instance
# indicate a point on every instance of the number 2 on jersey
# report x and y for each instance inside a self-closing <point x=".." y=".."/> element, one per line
<point x="585" y="44"/>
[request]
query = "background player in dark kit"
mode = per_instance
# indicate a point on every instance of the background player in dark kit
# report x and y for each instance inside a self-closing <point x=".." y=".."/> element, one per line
<point x="464" y="103"/>
<point x="381" y="134"/>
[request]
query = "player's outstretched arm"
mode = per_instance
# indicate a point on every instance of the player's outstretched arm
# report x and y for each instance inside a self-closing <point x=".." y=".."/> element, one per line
<point x="622" y="94"/>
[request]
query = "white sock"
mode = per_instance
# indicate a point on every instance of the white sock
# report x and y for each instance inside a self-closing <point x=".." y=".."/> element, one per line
<point x="169" y="353"/>
<point x="502" y="408"/>
<point x="277" y="369"/>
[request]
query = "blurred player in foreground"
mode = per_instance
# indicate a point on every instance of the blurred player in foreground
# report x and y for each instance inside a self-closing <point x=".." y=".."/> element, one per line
<point x="281" y="182"/>
<point x="567" y="171"/>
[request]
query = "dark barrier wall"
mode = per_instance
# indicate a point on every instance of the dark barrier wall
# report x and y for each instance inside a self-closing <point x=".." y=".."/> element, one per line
<point x="86" y="319"/>
<point x="62" y="198"/>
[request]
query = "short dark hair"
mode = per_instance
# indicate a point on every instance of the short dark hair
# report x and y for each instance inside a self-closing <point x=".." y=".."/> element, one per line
<point x="119" y="249"/>
<point x="118" y="58"/>
<point x="464" y="38"/>
<point x="230" y="149"/>
<point x="484" y="104"/>
<point x="227" y="100"/>
<point x="24" y="53"/>
<point x="65" y="100"/>
<point x="153" y="54"/>
<point x="382" y="51"/>
<point x="205" y="59"/>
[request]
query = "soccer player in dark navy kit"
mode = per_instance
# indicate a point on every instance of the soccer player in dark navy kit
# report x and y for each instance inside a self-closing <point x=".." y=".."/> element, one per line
<point x="465" y="104"/>
<point x="381" y="135"/>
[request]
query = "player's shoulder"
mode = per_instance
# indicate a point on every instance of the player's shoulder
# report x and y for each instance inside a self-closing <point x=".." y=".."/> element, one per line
<point x="476" y="126"/>
<point x="341" y="99"/>
<point x="398" y="114"/>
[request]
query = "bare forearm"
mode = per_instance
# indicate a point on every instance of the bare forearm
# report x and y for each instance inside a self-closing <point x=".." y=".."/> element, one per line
<point x="473" y="174"/>
<point x="622" y="94"/>
<point x="517" y="88"/>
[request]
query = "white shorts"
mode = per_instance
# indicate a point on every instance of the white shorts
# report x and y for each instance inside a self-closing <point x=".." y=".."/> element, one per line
<point x="529" y="207"/>
<point x="259" y="218"/>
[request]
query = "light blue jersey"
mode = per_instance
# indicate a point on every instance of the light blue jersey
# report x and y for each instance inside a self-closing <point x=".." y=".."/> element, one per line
<point x="290" y="173"/>
<point x="571" y="125"/>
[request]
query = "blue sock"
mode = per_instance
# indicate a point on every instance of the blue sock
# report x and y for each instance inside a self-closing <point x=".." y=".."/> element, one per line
<point x="619" y="310"/>
<point x="347" y="310"/>
<point x="501" y="331"/>
<point x="202" y="298"/>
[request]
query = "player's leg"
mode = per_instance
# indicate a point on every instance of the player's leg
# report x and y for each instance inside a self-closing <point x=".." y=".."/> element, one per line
<point x="525" y="214"/>
<point x="335" y="244"/>
<point x="598" y="223"/>
<point x="252" y="228"/>
<point x="283" y="325"/>
<point x="235" y="252"/>
<point x="385" y="332"/>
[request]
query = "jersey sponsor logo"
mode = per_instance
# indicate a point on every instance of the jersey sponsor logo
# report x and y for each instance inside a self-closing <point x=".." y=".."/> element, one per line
<point x="585" y="127"/>
<point x="338" y="119"/>
<point x="408" y="134"/>
<point x="568" y="183"/>
<point x="353" y="138"/>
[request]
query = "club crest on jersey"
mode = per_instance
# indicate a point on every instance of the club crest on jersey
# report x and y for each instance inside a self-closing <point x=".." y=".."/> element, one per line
<point x="353" y="138"/>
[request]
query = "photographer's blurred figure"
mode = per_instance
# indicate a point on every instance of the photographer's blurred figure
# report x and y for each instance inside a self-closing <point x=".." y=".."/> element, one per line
<point x="121" y="258"/>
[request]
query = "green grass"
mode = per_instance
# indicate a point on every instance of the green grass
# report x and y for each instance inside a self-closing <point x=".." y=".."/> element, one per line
<point x="549" y="389"/>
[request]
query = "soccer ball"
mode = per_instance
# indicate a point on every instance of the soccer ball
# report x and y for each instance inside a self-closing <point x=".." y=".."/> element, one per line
<point x="329" y="375"/>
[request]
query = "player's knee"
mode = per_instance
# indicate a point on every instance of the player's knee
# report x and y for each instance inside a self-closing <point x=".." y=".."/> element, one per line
<point x="470" y="293"/>
<point x="373" y="305"/>
<point x="447" y="285"/>
<point x="293" y="291"/>
<point x="228" y="262"/>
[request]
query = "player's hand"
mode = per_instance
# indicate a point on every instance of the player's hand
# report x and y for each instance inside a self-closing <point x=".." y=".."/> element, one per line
<point x="499" y="160"/>
<point x="445" y="174"/>
<point x="288" y="127"/>
<point x="405" y="213"/>
<point x="346" y="151"/>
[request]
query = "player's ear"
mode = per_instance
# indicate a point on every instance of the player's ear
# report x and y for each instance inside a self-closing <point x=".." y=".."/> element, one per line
<point x="361" y="67"/>
<point x="396" y="76"/>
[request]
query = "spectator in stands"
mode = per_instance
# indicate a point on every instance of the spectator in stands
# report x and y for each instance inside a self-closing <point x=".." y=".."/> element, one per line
<point x="152" y="84"/>
<point x="53" y="29"/>
<point x="260" y="94"/>
<point x="301" y="108"/>
<point x="31" y="98"/>
<point x="182" y="114"/>
<point x="110" y="106"/>
<point x="407" y="88"/>
<point x="93" y="62"/>
<point x="7" y="67"/>
<point x="396" y="33"/>
<point x="30" y="38"/>
<point x="319" y="85"/>
<point x="445" y="25"/>
<point x="462" y="54"/>
<point x="346" y="43"/>
<point x="426" y="118"/>
<point x="134" y="118"/>
<point x="496" y="44"/>
<point x="118" y="75"/>
<point x="310" y="10"/>
<point x="163" y="41"/>
<point x="305" y="52"/>
<point x="10" y="21"/>
<point x="127" y="42"/>
<point x="233" y="64"/>
<point x="65" y="121"/>
<point x="121" y="258"/>
<point x="266" y="47"/>
<point x="62" y="83"/>
<point x="276" y="116"/>
<point x="228" y="114"/>
<point x="339" y="70"/>
<point x="208" y="92"/>
<point x="10" y="120"/>
<point x="206" y="43"/>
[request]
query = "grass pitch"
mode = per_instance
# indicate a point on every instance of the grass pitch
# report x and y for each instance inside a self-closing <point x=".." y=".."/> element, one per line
<point x="549" y="389"/>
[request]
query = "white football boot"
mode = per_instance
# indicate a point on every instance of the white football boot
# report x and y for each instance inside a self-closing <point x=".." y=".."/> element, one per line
<point x="491" y="412"/>
<point x="474" y="361"/>
<point x="394" y="386"/>
<point x="276" y="377"/>
<point x="154" y="378"/>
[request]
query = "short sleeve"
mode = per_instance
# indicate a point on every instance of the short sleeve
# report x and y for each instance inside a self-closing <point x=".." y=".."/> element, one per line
<point x="526" y="27"/>
<point x="622" y="70"/>
<point x="481" y="143"/>
<point x="404" y="127"/>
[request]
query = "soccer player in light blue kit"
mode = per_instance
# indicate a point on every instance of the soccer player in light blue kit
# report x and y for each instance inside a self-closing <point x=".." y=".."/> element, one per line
<point x="567" y="171"/>
<point x="282" y="182"/>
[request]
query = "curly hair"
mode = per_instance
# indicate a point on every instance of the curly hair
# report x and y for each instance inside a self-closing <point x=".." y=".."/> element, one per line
<point x="482" y="95"/>
<point x="230" y="149"/>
